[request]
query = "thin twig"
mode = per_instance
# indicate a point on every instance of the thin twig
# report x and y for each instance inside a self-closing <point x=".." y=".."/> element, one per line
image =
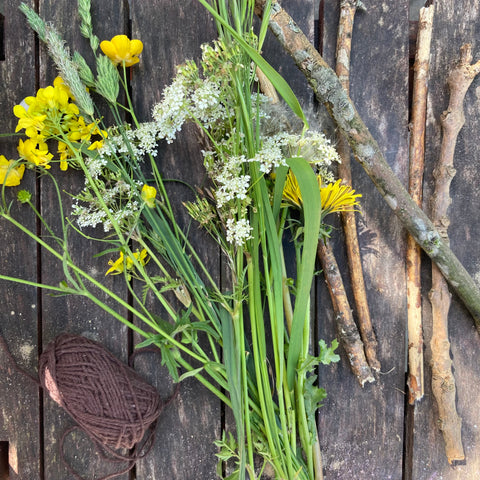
<point x="443" y="382"/>
<point x="342" y="68"/>
<point x="329" y="91"/>
<point x="346" y="327"/>
<point x="417" y="154"/>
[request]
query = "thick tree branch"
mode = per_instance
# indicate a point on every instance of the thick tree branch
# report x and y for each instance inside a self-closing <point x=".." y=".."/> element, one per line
<point x="347" y="330"/>
<point x="415" y="188"/>
<point x="342" y="68"/>
<point x="329" y="91"/>
<point x="443" y="381"/>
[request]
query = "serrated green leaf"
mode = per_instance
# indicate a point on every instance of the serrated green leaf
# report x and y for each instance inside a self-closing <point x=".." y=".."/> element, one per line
<point x="327" y="354"/>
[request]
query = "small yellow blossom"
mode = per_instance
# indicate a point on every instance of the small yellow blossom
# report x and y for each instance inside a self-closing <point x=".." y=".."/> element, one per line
<point x="148" y="195"/>
<point x="122" y="50"/>
<point x="31" y="122"/>
<point x="9" y="175"/>
<point x="65" y="153"/>
<point x="126" y="263"/>
<point x="35" y="152"/>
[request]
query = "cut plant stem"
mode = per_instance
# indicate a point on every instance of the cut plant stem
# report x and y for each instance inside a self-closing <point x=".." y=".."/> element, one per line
<point x="443" y="382"/>
<point x="417" y="154"/>
<point x="330" y="92"/>
<point x="342" y="68"/>
<point x="346" y="327"/>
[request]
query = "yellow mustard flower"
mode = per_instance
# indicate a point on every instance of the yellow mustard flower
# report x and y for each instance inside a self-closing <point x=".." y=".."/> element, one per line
<point x="126" y="263"/>
<point x="10" y="176"/>
<point x="122" y="50"/>
<point x="335" y="197"/>
<point x="148" y="195"/>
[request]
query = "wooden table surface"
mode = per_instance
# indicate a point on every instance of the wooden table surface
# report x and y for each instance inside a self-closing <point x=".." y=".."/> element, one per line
<point x="365" y="433"/>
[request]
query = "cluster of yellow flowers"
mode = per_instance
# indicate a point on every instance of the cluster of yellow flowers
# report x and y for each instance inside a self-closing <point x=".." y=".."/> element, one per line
<point x="52" y="114"/>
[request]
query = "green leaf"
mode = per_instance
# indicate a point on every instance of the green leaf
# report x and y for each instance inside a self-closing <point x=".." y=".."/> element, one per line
<point x="314" y="396"/>
<point x="310" y="192"/>
<point x="281" y="175"/>
<point x="282" y="87"/>
<point x="191" y="373"/>
<point x="151" y="340"/>
<point x="327" y="354"/>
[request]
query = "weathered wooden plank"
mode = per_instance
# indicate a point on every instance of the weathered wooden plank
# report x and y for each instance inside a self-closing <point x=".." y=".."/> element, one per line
<point x="361" y="430"/>
<point x="304" y="14"/>
<point x="19" y="397"/>
<point x="76" y="314"/>
<point x="186" y="430"/>
<point x="455" y="23"/>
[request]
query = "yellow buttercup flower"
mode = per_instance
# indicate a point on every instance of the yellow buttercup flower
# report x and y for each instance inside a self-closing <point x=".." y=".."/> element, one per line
<point x="126" y="263"/>
<point x="122" y="50"/>
<point x="9" y="175"/>
<point x="334" y="196"/>
<point x="148" y="195"/>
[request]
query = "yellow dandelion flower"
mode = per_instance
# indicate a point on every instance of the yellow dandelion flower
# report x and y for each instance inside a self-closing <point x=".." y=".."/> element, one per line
<point x="122" y="50"/>
<point x="148" y="195"/>
<point x="291" y="190"/>
<point x="10" y="176"/>
<point x="338" y="198"/>
<point x="335" y="197"/>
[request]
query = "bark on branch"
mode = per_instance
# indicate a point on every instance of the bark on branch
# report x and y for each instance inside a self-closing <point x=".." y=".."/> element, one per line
<point x="346" y="327"/>
<point x="329" y="91"/>
<point x="342" y="68"/>
<point x="443" y="381"/>
<point x="415" y="187"/>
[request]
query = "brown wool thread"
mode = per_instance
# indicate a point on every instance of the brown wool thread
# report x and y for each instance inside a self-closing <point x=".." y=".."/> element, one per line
<point x="105" y="397"/>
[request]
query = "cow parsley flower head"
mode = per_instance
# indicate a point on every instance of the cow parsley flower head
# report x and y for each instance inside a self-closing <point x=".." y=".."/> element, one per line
<point x="171" y="113"/>
<point x="238" y="231"/>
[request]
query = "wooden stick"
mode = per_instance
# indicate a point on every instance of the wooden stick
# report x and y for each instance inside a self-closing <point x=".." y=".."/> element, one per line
<point x="443" y="382"/>
<point x="415" y="187"/>
<point x="346" y="327"/>
<point x="329" y="91"/>
<point x="344" y="46"/>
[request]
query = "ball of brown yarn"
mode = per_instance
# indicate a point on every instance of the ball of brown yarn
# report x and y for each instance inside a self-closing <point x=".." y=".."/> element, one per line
<point x="106" y="398"/>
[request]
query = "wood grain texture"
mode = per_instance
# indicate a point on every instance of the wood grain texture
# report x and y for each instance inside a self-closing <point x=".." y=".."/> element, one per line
<point x="76" y="314"/>
<point x="19" y="397"/>
<point x="455" y="23"/>
<point x="361" y="430"/>
<point x="186" y="431"/>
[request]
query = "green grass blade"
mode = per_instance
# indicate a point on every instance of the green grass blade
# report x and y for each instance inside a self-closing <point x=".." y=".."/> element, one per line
<point x="282" y="87"/>
<point x="308" y="184"/>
